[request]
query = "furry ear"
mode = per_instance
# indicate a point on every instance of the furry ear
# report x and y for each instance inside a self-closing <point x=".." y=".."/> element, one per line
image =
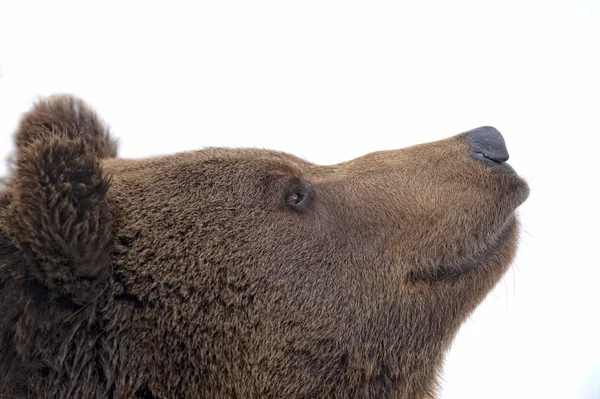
<point x="62" y="220"/>
<point x="69" y="117"/>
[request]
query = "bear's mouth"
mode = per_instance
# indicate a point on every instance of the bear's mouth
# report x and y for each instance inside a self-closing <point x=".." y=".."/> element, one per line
<point x="446" y="273"/>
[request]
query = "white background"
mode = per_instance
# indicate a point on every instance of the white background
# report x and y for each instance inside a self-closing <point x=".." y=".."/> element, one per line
<point x="330" y="81"/>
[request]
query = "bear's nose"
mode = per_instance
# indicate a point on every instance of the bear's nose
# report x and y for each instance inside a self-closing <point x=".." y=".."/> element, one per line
<point x="487" y="144"/>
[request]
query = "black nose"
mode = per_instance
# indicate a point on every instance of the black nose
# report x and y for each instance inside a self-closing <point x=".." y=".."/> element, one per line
<point x="487" y="144"/>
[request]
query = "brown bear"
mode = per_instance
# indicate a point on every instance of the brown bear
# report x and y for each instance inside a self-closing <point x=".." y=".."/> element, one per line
<point x="241" y="273"/>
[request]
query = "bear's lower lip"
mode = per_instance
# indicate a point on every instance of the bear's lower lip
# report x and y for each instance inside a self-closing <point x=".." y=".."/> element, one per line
<point x="522" y="189"/>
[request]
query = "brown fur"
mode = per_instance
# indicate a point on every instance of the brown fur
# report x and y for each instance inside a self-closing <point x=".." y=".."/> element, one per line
<point x="196" y="275"/>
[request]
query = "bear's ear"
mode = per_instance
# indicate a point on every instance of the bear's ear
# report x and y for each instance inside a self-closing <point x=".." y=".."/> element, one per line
<point x="62" y="220"/>
<point x="69" y="117"/>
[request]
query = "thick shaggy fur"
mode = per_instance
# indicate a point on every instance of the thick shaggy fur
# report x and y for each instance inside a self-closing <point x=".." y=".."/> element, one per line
<point x="239" y="272"/>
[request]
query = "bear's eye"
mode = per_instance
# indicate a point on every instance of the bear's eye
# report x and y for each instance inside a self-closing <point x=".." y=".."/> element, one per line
<point x="295" y="199"/>
<point x="297" y="195"/>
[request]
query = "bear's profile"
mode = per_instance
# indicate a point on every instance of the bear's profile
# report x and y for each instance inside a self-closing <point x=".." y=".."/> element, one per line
<point x="241" y="273"/>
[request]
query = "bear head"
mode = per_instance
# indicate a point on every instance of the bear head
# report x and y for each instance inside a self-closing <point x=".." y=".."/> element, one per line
<point x="242" y="272"/>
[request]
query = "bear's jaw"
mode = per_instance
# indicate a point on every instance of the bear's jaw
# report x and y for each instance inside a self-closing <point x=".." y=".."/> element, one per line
<point x="461" y="268"/>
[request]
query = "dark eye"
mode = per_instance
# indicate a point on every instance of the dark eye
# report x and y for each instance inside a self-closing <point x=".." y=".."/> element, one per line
<point x="297" y="195"/>
<point x="295" y="198"/>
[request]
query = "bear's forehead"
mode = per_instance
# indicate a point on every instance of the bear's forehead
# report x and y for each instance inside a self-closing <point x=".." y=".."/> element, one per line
<point x="251" y="160"/>
<point x="251" y="155"/>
